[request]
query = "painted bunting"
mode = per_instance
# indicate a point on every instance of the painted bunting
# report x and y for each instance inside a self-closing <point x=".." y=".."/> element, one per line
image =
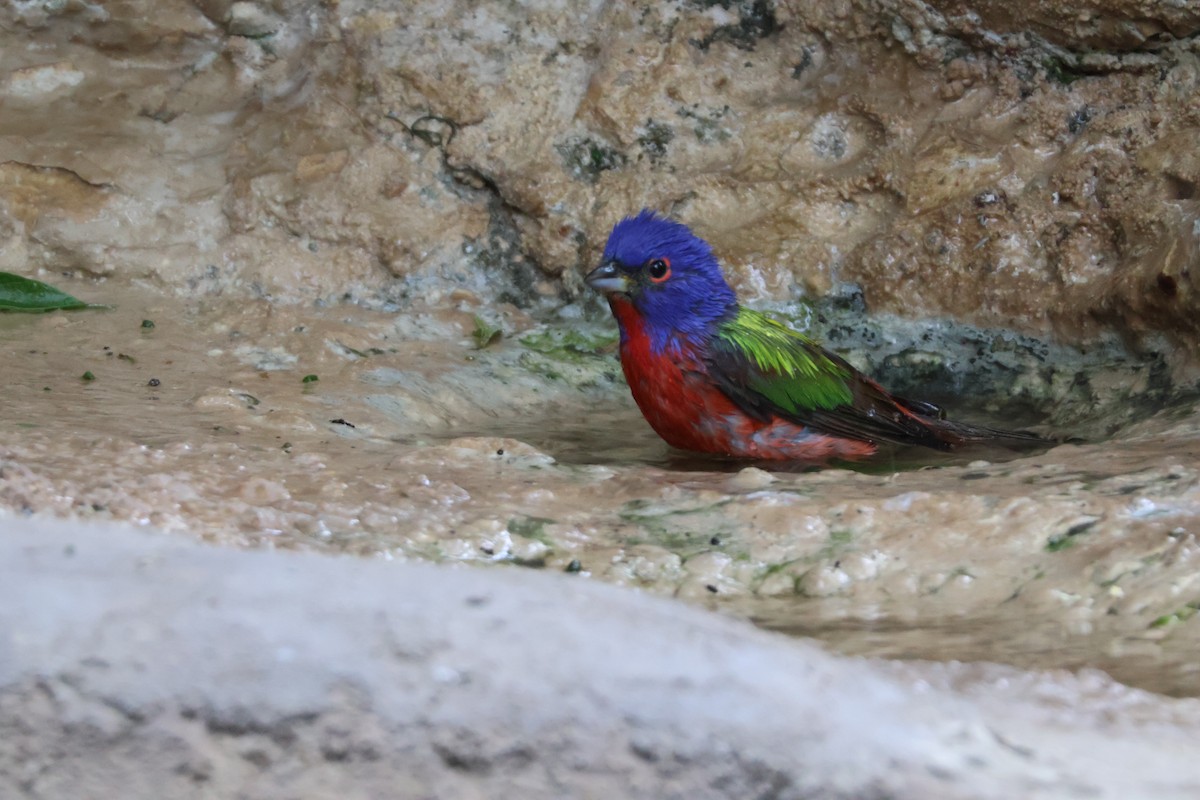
<point x="715" y="377"/>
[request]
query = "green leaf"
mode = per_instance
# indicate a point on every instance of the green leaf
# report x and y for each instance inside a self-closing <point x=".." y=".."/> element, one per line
<point x="309" y="379"/>
<point x="26" y="294"/>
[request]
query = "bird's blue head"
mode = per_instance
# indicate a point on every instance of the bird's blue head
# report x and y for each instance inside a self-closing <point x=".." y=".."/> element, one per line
<point x="667" y="273"/>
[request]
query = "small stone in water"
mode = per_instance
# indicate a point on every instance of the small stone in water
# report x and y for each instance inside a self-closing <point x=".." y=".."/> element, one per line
<point x="750" y="479"/>
<point x="574" y="566"/>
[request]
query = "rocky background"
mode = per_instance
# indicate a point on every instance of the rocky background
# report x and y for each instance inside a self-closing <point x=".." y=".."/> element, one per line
<point x="1034" y="167"/>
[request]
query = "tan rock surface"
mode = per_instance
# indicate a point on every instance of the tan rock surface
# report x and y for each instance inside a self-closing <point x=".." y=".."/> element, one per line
<point x="944" y="159"/>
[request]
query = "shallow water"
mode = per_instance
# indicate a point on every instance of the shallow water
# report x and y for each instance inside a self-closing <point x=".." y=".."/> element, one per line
<point x="413" y="444"/>
<point x="614" y="437"/>
<point x="1148" y="660"/>
<point x="618" y="436"/>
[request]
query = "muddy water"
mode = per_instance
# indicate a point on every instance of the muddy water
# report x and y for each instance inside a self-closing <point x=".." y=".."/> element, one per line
<point x="413" y="443"/>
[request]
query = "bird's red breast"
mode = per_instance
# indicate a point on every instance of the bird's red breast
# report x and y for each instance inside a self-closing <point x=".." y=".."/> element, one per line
<point x="686" y="408"/>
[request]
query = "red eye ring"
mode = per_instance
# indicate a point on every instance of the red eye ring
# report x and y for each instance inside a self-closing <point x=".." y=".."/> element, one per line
<point x="659" y="269"/>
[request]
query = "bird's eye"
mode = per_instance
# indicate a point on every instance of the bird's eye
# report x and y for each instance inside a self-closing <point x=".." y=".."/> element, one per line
<point x="659" y="269"/>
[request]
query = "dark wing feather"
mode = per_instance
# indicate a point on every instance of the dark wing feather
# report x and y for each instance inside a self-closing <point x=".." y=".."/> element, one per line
<point x="769" y="370"/>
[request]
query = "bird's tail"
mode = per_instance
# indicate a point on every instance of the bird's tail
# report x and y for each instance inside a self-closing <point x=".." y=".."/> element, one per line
<point x="952" y="434"/>
<point x="956" y="434"/>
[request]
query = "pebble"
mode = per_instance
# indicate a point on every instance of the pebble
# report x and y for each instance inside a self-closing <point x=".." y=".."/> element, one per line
<point x="749" y="479"/>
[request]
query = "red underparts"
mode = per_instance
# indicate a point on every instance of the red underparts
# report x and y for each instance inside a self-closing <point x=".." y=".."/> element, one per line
<point x="686" y="408"/>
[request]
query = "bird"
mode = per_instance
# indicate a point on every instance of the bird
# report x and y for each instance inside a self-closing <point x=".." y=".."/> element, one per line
<point x="713" y="376"/>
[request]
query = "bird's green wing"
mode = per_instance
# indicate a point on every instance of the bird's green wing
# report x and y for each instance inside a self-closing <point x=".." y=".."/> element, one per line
<point x="784" y="367"/>
<point x="770" y="370"/>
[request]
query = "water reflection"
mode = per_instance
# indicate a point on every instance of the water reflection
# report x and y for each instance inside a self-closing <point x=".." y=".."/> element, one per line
<point x="620" y="437"/>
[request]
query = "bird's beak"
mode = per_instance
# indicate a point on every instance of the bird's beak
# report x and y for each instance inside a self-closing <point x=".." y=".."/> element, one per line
<point x="607" y="279"/>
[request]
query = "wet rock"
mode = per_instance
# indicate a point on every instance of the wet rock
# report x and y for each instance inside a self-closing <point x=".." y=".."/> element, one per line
<point x="251" y="20"/>
<point x="263" y="491"/>
<point x="1116" y="25"/>
<point x="529" y="552"/>
<point x="781" y="582"/>
<point x="645" y="564"/>
<point x="823" y="581"/>
<point x="711" y="573"/>
<point x="509" y="451"/>
<point x="42" y="82"/>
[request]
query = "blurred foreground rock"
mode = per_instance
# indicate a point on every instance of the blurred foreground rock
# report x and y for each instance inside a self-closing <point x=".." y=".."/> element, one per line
<point x="144" y="666"/>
